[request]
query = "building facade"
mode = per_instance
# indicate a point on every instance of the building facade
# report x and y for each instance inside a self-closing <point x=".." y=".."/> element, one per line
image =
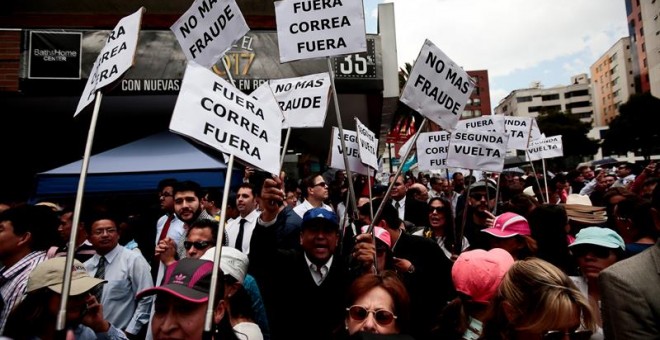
<point x="479" y="103"/>
<point x="530" y="102"/>
<point x="613" y="81"/>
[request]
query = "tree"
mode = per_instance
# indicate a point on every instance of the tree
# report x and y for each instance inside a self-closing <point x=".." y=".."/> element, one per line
<point x="573" y="133"/>
<point x="636" y="127"/>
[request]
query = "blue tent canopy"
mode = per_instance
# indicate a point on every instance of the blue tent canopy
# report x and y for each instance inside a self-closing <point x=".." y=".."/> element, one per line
<point x="137" y="167"/>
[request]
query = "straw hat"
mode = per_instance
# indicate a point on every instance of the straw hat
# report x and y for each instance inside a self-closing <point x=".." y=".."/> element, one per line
<point x="579" y="208"/>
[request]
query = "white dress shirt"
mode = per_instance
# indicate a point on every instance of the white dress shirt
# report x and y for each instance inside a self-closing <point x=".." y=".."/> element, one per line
<point x="302" y="208"/>
<point x="234" y="226"/>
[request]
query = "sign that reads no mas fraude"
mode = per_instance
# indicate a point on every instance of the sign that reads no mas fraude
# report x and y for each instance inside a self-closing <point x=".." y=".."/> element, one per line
<point x="477" y="150"/>
<point x="319" y="28"/>
<point x="437" y="87"/>
<point x="116" y="57"/>
<point x="303" y="100"/>
<point x="208" y="29"/>
<point x="212" y="111"/>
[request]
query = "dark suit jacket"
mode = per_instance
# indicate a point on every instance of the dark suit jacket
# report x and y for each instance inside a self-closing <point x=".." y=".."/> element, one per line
<point x="416" y="212"/>
<point x="297" y="308"/>
<point x="630" y="297"/>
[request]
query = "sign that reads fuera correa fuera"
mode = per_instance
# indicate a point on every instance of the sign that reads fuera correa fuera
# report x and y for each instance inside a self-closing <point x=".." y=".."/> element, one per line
<point x="432" y="150"/>
<point x="437" y="87"/>
<point x="54" y="55"/>
<point x="209" y="28"/>
<point x="319" y="28"/>
<point x="116" y="57"/>
<point x="214" y="112"/>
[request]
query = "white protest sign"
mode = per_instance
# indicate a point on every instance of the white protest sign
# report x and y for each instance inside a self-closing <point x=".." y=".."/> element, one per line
<point x="208" y="29"/>
<point x="544" y="148"/>
<point x="403" y="150"/>
<point x="368" y="145"/>
<point x="477" y="150"/>
<point x="319" y="28"/>
<point x="116" y="57"/>
<point x="303" y="100"/>
<point x="535" y="133"/>
<point x="432" y="150"/>
<point x="437" y="87"/>
<point x="352" y="152"/>
<point x="212" y="111"/>
<point x="266" y="97"/>
<point x="518" y="129"/>
<point x="484" y="123"/>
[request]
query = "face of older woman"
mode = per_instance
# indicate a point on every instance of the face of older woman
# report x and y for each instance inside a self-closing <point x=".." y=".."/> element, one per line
<point x="373" y="313"/>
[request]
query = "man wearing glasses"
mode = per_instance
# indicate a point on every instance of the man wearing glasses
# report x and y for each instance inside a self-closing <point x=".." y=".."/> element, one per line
<point x="480" y="203"/>
<point x="126" y="271"/>
<point x="624" y="175"/>
<point x="315" y="191"/>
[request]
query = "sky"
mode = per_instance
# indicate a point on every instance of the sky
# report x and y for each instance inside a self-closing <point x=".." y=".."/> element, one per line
<point x="517" y="41"/>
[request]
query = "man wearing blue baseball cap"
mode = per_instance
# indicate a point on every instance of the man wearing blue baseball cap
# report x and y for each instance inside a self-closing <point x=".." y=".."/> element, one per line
<point x="311" y="282"/>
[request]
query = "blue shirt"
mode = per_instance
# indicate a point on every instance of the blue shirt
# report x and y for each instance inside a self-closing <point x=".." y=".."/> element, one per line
<point x="127" y="273"/>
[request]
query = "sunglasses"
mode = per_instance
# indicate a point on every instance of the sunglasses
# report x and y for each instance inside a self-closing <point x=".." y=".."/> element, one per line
<point x="383" y="317"/>
<point x="477" y="196"/>
<point x="559" y="335"/>
<point x="599" y="252"/>
<point x="320" y="184"/>
<point x="199" y="245"/>
<point x="435" y="210"/>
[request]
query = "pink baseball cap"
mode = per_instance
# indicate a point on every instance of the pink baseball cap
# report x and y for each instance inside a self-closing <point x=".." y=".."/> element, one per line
<point x="477" y="273"/>
<point x="381" y="234"/>
<point x="508" y="225"/>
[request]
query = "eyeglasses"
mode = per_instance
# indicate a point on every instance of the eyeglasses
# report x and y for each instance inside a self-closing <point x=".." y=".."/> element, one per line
<point x="199" y="245"/>
<point x="320" y="184"/>
<point x="99" y="232"/>
<point x="383" y="317"/>
<point x="165" y="194"/>
<point x="599" y="252"/>
<point x="574" y="335"/>
<point x="477" y="196"/>
<point x="622" y="219"/>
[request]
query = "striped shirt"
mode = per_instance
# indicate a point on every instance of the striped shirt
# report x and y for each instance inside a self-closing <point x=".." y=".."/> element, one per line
<point x="14" y="282"/>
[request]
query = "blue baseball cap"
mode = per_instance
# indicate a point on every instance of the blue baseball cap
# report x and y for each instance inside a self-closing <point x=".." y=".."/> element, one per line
<point x="323" y="214"/>
<point x="604" y="237"/>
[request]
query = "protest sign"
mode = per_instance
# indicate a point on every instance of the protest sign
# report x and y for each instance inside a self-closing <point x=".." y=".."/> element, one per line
<point x="368" y="145"/>
<point x="352" y="152"/>
<point x="313" y="29"/>
<point x="477" y="150"/>
<point x="303" y="100"/>
<point x="116" y="57"/>
<point x="518" y="128"/>
<point x="484" y="123"/>
<point x="437" y="87"/>
<point x="212" y="111"/>
<point x="432" y="150"/>
<point x="544" y="148"/>
<point x="208" y="29"/>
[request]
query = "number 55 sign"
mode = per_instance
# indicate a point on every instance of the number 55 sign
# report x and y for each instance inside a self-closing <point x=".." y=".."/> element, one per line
<point x="357" y="65"/>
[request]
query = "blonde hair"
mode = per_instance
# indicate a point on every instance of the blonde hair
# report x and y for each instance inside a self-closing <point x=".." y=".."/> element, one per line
<point x="539" y="296"/>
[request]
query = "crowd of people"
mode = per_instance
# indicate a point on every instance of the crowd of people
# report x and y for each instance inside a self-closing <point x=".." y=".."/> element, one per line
<point x="571" y="255"/>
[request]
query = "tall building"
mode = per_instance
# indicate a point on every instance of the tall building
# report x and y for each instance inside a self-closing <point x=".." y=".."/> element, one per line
<point x="572" y="99"/>
<point x="479" y="103"/>
<point x="613" y="81"/>
<point x="643" y="28"/>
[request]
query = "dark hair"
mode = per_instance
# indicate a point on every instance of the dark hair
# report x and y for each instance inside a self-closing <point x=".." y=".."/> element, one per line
<point x="308" y="182"/>
<point x="30" y="318"/>
<point x="92" y="215"/>
<point x="638" y="210"/>
<point x="203" y="223"/>
<point x="548" y="223"/>
<point x="521" y="204"/>
<point x="389" y="213"/>
<point x="38" y="220"/>
<point x="189" y="186"/>
<point x="167" y="182"/>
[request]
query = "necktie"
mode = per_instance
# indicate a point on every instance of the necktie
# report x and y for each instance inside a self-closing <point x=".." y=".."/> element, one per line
<point x="239" y="238"/>
<point x="397" y="205"/>
<point x="166" y="227"/>
<point x="100" y="274"/>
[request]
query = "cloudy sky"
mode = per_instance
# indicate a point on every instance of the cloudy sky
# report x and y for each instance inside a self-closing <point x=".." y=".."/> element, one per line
<point x="517" y="41"/>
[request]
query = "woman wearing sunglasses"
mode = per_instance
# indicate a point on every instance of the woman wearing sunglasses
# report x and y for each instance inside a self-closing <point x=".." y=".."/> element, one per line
<point x="377" y="303"/>
<point x="440" y="227"/>
<point x="537" y="301"/>
<point x="595" y="249"/>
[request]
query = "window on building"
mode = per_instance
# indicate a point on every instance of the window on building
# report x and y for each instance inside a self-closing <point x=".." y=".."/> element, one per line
<point x="577" y="93"/>
<point x="477" y="113"/>
<point x="477" y="90"/>
<point x="476" y="101"/>
<point x="615" y="81"/>
<point x="639" y="16"/>
<point x="550" y="97"/>
<point x="646" y="64"/>
<point x="534" y="109"/>
<point x="578" y="104"/>
<point x="524" y="99"/>
<point x="616" y="93"/>
<point x="641" y="31"/>
<point x="643" y="47"/>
